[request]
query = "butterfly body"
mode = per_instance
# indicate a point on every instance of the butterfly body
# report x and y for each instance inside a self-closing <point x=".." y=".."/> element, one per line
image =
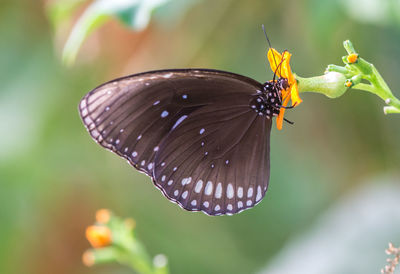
<point x="201" y="135"/>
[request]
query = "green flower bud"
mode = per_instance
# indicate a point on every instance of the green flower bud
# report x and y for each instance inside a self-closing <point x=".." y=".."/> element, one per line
<point x="331" y="84"/>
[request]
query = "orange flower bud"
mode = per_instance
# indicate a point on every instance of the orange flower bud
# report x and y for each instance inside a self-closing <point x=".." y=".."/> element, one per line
<point x="103" y="216"/>
<point x="352" y="58"/>
<point x="130" y="223"/>
<point x="88" y="258"/>
<point x="98" y="236"/>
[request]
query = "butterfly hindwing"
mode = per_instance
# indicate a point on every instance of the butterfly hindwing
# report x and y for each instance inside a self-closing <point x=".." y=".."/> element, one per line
<point x="216" y="162"/>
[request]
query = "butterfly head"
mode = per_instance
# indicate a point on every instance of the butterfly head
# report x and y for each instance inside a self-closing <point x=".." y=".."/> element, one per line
<point x="282" y="84"/>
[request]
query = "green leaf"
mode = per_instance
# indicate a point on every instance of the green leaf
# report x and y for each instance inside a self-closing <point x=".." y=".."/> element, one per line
<point x="60" y="11"/>
<point x="134" y="13"/>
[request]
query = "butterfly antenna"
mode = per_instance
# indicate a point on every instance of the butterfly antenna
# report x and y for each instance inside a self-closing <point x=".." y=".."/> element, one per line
<point x="266" y="36"/>
<point x="270" y="46"/>
<point x="277" y="67"/>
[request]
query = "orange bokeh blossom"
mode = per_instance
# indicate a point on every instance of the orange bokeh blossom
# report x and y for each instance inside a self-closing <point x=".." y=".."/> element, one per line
<point x="280" y="66"/>
<point x="98" y="235"/>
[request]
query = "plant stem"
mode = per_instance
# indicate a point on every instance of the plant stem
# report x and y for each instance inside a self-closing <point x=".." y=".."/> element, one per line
<point x="355" y="70"/>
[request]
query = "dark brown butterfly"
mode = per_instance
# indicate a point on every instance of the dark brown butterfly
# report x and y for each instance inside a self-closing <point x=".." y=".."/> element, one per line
<point x="201" y="135"/>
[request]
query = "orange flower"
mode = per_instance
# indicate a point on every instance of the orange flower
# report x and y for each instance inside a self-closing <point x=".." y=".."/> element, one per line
<point x="103" y="216"/>
<point x="352" y="58"/>
<point x="98" y="236"/>
<point x="282" y="69"/>
<point x="88" y="258"/>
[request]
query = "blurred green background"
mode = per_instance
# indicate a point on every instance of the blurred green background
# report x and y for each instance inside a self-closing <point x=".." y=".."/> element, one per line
<point x="53" y="177"/>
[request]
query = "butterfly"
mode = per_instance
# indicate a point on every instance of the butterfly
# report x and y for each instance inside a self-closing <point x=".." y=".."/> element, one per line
<point x="202" y="135"/>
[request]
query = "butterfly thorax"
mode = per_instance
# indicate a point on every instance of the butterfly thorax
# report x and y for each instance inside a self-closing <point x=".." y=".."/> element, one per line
<point x="268" y="101"/>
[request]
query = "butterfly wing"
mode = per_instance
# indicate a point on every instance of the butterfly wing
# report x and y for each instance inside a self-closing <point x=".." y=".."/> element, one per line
<point x="217" y="161"/>
<point x="138" y="116"/>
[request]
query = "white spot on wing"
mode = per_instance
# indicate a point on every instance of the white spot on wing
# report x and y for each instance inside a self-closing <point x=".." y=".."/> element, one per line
<point x="134" y="154"/>
<point x="83" y="103"/>
<point x="259" y="194"/>
<point x="249" y="202"/>
<point x="180" y="120"/>
<point x="185" y="194"/>
<point x="218" y="191"/>
<point x="168" y="75"/>
<point x="199" y="186"/>
<point x="163" y="178"/>
<point x="139" y="137"/>
<point x="95" y="134"/>
<point x="217" y="208"/>
<point x="250" y="192"/>
<point x="150" y="166"/>
<point x="176" y="192"/>
<point x="229" y="191"/>
<point x="88" y="120"/>
<point x="208" y="189"/>
<point x="206" y="204"/>
<point x="164" y="114"/>
<point x="202" y="131"/>
<point x="156" y="103"/>
<point x="186" y="181"/>
<point x="170" y="182"/>
<point x="240" y="192"/>
<point x="194" y="203"/>
<point x="240" y="204"/>
<point x="229" y="207"/>
<point x="184" y="96"/>
<point x="143" y="163"/>
<point x="156" y="148"/>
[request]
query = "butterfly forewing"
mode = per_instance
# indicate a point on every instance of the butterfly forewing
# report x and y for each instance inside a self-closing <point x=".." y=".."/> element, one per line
<point x="191" y="130"/>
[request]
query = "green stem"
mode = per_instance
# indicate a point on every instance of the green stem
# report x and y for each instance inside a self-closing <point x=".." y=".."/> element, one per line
<point x="358" y="70"/>
<point x="383" y="90"/>
<point x="134" y="255"/>
<point x="390" y="109"/>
